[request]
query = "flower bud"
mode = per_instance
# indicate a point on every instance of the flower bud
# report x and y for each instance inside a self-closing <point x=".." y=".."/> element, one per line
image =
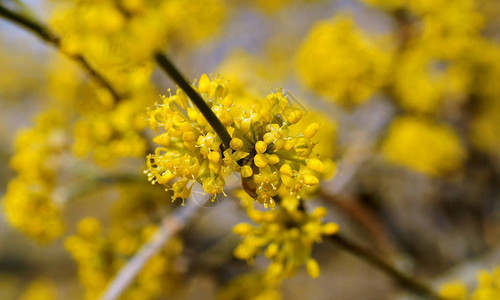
<point x="260" y="147"/>
<point x="330" y="228"/>
<point x="236" y="144"/>
<point x="315" y="165"/>
<point x="204" y="84"/>
<point x="242" y="228"/>
<point x="246" y="171"/>
<point x="310" y="179"/>
<point x="311" y="130"/>
<point x="312" y="268"/>
<point x="286" y="170"/>
<point x="260" y="160"/>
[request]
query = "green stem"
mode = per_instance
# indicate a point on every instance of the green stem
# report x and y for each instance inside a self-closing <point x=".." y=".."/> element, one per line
<point x="196" y="98"/>
<point x="46" y="35"/>
<point x="404" y="279"/>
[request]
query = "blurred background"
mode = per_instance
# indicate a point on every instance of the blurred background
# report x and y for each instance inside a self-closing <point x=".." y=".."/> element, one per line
<point x="407" y="93"/>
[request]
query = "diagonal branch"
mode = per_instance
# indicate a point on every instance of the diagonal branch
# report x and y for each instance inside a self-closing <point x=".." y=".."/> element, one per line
<point x="169" y="68"/>
<point x="45" y="34"/>
<point x="402" y="278"/>
<point x="169" y="226"/>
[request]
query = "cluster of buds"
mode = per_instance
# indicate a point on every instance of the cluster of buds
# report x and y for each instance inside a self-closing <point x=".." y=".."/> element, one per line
<point x="285" y="237"/>
<point x="272" y="161"/>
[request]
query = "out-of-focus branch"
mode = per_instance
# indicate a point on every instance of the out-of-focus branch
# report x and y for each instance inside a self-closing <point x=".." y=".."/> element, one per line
<point x="374" y="117"/>
<point x="169" y="226"/>
<point x="49" y="37"/>
<point x="401" y="277"/>
<point x="364" y="217"/>
<point x="69" y="192"/>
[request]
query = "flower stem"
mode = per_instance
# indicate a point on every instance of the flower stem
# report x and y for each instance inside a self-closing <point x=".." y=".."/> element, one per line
<point x="48" y="36"/>
<point x="404" y="279"/>
<point x="197" y="100"/>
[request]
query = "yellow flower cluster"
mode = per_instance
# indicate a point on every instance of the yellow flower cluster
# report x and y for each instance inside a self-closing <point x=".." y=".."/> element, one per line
<point x="28" y="202"/>
<point x="111" y="36"/>
<point x="111" y="33"/>
<point x="248" y="77"/>
<point x="436" y="64"/>
<point x="104" y="130"/>
<point x="99" y="256"/>
<point x="112" y="134"/>
<point x="424" y="146"/>
<point x="488" y="288"/>
<point x="252" y="286"/>
<point x="286" y="237"/>
<point x="269" y="158"/>
<point x="341" y="63"/>
<point x="40" y="289"/>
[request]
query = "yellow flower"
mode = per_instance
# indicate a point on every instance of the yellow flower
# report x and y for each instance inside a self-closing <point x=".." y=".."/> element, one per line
<point x="286" y="237"/>
<point x="423" y="146"/>
<point x="262" y="142"/>
<point x="339" y="62"/>
<point x="28" y="202"/>
<point x="453" y="291"/>
<point x="40" y="289"/>
<point x="488" y="287"/>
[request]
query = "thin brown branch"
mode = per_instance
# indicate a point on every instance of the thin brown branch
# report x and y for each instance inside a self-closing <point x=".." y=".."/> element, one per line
<point x="368" y="256"/>
<point x="364" y="217"/>
<point x="174" y="73"/>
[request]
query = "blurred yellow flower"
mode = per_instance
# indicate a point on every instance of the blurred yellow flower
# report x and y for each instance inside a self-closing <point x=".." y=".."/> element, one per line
<point x="340" y="62"/>
<point x="424" y="146"/>
<point x="488" y="288"/>
<point x="285" y="237"/>
<point x="40" y="289"/>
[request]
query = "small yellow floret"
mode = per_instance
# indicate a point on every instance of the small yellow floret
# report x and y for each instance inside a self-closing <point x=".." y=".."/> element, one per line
<point x="236" y="144"/>
<point x="273" y="159"/>
<point x="268" y="138"/>
<point x="330" y="228"/>
<point x="286" y="170"/>
<point x="242" y="228"/>
<point x="162" y="139"/>
<point x="226" y="118"/>
<point x="311" y="130"/>
<point x="312" y="268"/>
<point x="315" y="165"/>
<point x="260" y="147"/>
<point x="246" y="171"/>
<point x="319" y="212"/>
<point x="294" y="116"/>
<point x="272" y="250"/>
<point x="214" y="156"/>
<point x="189" y="136"/>
<point x="89" y="227"/>
<point x="310" y="179"/>
<point x="204" y="84"/>
<point x="261" y="161"/>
